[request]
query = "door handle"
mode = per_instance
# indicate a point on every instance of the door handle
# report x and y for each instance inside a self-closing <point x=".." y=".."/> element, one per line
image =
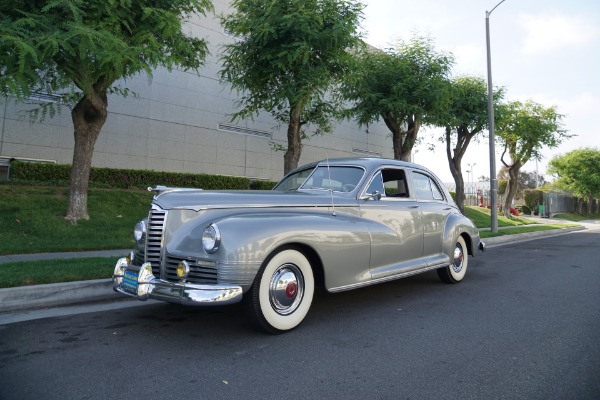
<point x="413" y="206"/>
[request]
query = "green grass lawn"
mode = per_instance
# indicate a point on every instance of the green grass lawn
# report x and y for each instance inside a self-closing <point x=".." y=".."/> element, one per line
<point x="576" y="217"/>
<point x="32" y="220"/>
<point x="523" y="229"/>
<point x="53" y="271"/>
<point x="482" y="218"/>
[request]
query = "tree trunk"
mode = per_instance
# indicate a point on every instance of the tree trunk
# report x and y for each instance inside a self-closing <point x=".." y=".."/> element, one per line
<point x="394" y="127"/>
<point x="89" y="115"/>
<point x="513" y="186"/>
<point x="403" y="141"/>
<point x="410" y="138"/>
<point x="455" y="169"/>
<point x="580" y="205"/>
<point x="291" y="158"/>
<point x="590" y="201"/>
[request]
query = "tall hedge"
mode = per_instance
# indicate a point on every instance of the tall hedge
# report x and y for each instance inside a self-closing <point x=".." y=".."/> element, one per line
<point x="58" y="174"/>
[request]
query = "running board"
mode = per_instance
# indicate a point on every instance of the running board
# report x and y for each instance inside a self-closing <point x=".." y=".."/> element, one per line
<point x="385" y="279"/>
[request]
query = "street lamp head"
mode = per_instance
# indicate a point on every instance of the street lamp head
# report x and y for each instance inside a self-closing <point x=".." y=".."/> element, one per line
<point x="488" y="13"/>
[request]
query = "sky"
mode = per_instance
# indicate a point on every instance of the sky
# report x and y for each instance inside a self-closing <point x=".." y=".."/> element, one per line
<point x="547" y="51"/>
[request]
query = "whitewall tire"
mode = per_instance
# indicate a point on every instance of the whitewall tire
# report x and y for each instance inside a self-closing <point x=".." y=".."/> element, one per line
<point x="457" y="269"/>
<point x="282" y="292"/>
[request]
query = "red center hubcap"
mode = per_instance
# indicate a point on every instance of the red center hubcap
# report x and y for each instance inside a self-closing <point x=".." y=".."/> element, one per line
<point x="290" y="290"/>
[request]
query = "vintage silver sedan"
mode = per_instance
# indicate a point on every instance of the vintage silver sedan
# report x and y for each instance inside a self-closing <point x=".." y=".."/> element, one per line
<point x="341" y="224"/>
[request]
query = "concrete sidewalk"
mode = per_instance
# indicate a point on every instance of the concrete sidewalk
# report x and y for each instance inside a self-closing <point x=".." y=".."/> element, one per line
<point x="19" y="299"/>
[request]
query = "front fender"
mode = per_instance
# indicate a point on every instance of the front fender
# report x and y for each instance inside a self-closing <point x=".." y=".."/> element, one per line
<point x="342" y="242"/>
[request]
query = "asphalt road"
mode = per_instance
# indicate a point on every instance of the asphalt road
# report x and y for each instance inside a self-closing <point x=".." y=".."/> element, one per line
<point x="525" y="324"/>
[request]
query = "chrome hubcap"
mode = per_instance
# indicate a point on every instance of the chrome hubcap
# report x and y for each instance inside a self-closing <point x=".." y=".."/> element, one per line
<point x="458" y="258"/>
<point x="286" y="289"/>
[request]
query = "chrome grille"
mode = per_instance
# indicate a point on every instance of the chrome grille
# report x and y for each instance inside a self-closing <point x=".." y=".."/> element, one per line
<point x="201" y="272"/>
<point x="154" y="238"/>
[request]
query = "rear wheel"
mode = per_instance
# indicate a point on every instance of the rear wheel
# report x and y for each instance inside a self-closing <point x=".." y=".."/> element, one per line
<point x="282" y="292"/>
<point x="456" y="271"/>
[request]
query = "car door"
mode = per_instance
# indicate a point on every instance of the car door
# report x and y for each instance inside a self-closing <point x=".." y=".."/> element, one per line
<point x="434" y="209"/>
<point x="394" y="221"/>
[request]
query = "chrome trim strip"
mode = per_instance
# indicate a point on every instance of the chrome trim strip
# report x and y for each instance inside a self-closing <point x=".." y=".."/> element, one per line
<point x="269" y="206"/>
<point x="385" y="279"/>
<point x="238" y="272"/>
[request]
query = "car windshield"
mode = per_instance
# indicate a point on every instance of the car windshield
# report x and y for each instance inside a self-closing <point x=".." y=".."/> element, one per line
<point x="336" y="178"/>
<point x="295" y="180"/>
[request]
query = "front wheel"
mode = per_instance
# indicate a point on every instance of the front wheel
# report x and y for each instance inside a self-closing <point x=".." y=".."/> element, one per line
<point x="282" y="292"/>
<point x="456" y="271"/>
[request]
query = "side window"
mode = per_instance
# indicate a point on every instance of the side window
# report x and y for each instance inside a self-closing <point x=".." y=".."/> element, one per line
<point x="394" y="182"/>
<point x="390" y="183"/>
<point x="426" y="188"/>
<point x="437" y="193"/>
<point x="376" y="185"/>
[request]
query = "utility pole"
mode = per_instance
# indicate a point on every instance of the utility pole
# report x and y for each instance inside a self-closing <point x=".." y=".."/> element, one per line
<point x="493" y="178"/>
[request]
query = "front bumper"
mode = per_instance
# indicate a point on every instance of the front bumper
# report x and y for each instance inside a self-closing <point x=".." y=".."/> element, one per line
<point x="143" y="285"/>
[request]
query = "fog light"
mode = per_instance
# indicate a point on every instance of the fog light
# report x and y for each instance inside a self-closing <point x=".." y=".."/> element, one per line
<point x="183" y="269"/>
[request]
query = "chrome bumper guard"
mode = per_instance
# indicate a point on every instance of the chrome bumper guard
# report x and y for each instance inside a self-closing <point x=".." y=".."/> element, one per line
<point x="143" y="285"/>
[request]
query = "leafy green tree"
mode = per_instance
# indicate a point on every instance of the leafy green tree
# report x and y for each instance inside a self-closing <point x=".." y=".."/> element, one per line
<point x="579" y="172"/>
<point x="524" y="129"/>
<point x="465" y="118"/>
<point x="80" y="49"/>
<point x="405" y="87"/>
<point x="289" y="56"/>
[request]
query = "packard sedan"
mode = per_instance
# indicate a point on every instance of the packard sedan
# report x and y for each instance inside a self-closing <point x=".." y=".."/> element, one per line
<point x="339" y="224"/>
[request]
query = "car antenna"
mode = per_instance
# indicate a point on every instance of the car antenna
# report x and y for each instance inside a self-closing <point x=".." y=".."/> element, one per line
<point x="330" y="188"/>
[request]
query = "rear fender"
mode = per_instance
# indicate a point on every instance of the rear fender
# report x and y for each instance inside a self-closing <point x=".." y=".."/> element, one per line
<point x="459" y="225"/>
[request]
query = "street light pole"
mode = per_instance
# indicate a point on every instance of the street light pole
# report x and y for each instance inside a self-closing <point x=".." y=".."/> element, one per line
<point x="471" y="178"/>
<point x="493" y="179"/>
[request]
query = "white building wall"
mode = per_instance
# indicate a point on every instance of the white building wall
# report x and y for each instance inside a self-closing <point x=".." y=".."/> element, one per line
<point x="172" y="123"/>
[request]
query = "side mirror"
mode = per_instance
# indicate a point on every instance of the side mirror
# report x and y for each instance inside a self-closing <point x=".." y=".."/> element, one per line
<point x="372" y="196"/>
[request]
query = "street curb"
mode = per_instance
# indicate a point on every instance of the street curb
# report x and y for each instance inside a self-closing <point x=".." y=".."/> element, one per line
<point x="55" y="294"/>
<point x="70" y="293"/>
<point x="520" y="237"/>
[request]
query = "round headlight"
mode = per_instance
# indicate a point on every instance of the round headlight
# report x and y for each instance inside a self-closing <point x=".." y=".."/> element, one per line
<point x="211" y="238"/>
<point x="139" y="232"/>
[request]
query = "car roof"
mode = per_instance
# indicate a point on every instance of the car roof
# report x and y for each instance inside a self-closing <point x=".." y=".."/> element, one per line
<point x="366" y="162"/>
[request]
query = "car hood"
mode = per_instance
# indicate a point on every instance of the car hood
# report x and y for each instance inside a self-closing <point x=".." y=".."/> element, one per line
<point x="207" y="199"/>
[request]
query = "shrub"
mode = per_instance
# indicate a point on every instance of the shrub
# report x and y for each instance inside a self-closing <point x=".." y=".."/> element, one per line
<point x="525" y="209"/>
<point x="502" y="185"/>
<point x="58" y="175"/>
<point x="262" y="185"/>
<point x="533" y="197"/>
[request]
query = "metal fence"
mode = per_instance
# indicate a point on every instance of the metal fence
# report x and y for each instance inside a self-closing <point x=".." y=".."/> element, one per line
<point x="555" y="203"/>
